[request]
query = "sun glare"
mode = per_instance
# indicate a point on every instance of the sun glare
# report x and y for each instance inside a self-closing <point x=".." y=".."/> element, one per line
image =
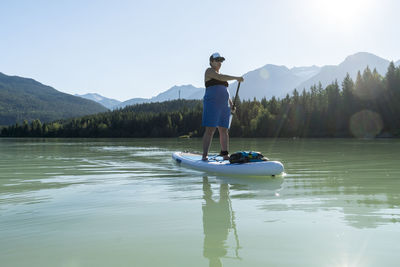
<point x="341" y="14"/>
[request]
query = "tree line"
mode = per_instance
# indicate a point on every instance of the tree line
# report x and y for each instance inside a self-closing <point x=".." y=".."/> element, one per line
<point x="366" y="107"/>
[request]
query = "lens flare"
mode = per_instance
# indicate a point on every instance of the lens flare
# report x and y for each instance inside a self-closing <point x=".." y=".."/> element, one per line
<point x="366" y="124"/>
<point x="264" y="73"/>
<point x="367" y="93"/>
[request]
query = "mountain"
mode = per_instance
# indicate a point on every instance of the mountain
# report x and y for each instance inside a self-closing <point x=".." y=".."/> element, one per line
<point x="106" y="102"/>
<point x="175" y="92"/>
<point x="26" y="99"/>
<point x="272" y="80"/>
<point x="352" y="64"/>
<point x="267" y="81"/>
<point x="305" y="72"/>
<point x="131" y="102"/>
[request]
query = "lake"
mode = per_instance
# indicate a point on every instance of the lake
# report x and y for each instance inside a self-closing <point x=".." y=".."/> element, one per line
<point x="124" y="202"/>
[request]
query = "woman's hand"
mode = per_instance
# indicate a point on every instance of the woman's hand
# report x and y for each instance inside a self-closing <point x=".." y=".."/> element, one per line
<point x="233" y="110"/>
<point x="239" y="79"/>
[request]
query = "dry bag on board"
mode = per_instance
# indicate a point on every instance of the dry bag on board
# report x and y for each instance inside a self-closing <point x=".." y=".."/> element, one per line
<point x="246" y="156"/>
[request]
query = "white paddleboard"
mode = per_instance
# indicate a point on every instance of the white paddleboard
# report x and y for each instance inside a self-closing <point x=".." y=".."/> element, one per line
<point x="217" y="165"/>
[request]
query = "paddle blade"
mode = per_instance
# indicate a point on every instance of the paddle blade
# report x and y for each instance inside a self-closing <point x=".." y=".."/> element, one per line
<point x="230" y="120"/>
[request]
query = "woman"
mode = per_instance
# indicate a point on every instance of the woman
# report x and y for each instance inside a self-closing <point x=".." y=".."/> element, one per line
<point x="216" y="110"/>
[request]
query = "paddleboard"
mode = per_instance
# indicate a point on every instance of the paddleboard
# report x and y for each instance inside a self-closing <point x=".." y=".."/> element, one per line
<point x="216" y="164"/>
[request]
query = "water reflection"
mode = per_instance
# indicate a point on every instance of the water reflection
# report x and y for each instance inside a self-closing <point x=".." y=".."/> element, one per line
<point x="367" y="198"/>
<point x="253" y="187"/>
<point x="218" y="220"/>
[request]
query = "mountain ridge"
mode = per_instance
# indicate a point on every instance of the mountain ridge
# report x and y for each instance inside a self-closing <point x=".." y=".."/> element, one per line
<point x="105" y="101"/>
<point x="278" y="80"/>
<point x="175" y="92"/>
<point x="27" y="99"/>
<point x="352" y="64"/>
<point x="267" y="81"/>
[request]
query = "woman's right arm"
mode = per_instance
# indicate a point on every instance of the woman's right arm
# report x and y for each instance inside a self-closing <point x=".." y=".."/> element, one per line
<point x="212" y="74"/>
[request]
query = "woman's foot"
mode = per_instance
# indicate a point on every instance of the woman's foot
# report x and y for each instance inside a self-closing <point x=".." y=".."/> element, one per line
<point x="224" y="155"/>
<point x="204" y="158"/>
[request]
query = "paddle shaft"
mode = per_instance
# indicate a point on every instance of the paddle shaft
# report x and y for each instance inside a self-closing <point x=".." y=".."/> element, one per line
<point x="234" y="105"/>
<point x="236" y="96"/>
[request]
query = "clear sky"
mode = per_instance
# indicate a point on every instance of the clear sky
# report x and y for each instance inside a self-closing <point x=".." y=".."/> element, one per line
<point x="126" y="49"/>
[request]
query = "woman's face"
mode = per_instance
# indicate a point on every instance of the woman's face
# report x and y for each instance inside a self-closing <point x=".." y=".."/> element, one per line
<point x="216" y="64"/>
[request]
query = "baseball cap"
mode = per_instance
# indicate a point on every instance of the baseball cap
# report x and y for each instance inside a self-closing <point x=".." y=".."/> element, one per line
<point x="216" y="56"/>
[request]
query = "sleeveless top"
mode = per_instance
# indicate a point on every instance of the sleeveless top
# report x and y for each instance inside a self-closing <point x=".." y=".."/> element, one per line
<point x="216" y="82"/>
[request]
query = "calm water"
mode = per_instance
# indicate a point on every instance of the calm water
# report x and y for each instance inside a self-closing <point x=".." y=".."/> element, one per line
<point x="112" y="202"/>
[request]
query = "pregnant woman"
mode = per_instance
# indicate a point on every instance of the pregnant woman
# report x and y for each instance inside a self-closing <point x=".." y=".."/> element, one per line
<point x="217" y="106"/>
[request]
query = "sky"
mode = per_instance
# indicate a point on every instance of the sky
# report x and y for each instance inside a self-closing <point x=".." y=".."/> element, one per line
<point x="126" y="49"/>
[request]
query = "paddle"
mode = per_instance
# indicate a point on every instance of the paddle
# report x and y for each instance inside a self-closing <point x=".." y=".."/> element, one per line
<point x="234" y="104"/>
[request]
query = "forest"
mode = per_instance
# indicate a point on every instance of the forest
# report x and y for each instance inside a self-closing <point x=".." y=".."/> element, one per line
<point x="365" y="108"/>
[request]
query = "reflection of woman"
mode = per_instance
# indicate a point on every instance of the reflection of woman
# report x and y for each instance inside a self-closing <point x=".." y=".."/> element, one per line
<point x="216" y="223"/>
<point x="216" y="111"/>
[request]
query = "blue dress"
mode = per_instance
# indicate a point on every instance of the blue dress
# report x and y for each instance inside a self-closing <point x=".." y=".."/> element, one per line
<point x="216" y="110"/>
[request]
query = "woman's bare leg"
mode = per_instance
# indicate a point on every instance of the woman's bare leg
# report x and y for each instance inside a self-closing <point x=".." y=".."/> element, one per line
<point x="207" y="138"/>
<point x="224" y="139"/>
